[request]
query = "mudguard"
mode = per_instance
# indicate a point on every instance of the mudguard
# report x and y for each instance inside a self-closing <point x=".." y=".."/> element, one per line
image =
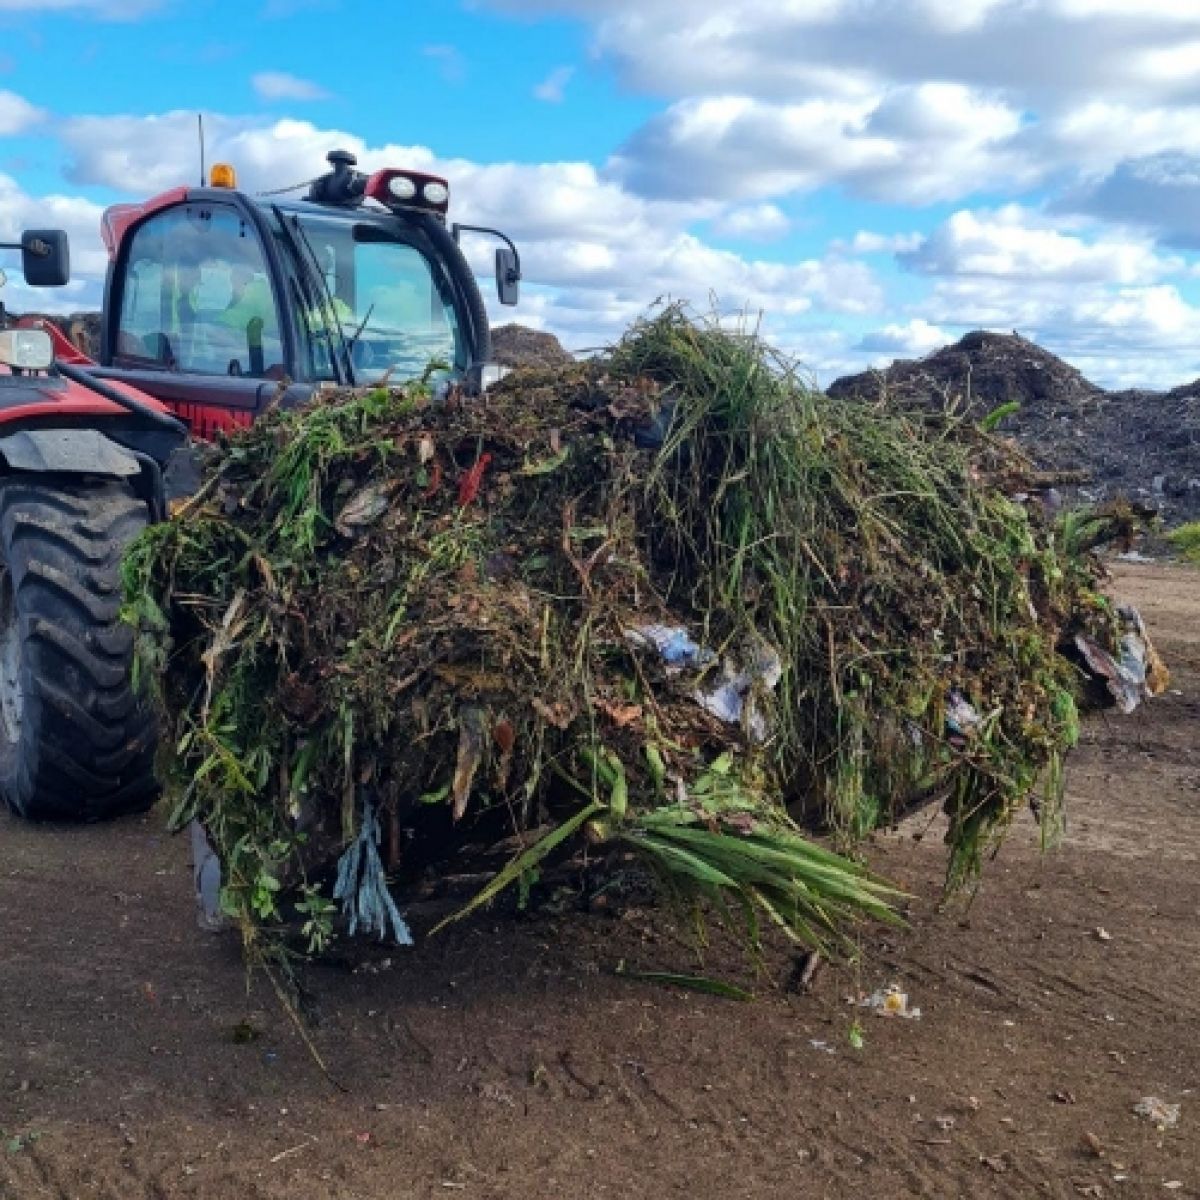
<point x="68" y="451"/>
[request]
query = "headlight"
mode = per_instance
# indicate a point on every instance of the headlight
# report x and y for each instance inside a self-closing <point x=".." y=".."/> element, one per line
<point x="401" y="187"/>
<point x="28" y="349"/>
<point x="435" y="193"/>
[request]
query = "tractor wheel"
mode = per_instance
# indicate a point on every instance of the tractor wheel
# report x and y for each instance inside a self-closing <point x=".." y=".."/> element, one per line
<point x="77" y="742"/>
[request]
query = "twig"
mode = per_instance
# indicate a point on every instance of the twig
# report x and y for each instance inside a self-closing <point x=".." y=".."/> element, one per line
<point x="290" y="1009"/>
<point x="294" y="1150"/>
<point x="199" y="496"/>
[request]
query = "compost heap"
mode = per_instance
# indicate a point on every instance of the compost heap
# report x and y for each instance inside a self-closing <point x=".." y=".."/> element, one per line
<point x="1140" y="444"/>
<point x="664" y="612"/>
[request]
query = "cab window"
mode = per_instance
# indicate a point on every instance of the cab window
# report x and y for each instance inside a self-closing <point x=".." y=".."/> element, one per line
<point x="197" y="297"/>
<point x="392" y="301"/>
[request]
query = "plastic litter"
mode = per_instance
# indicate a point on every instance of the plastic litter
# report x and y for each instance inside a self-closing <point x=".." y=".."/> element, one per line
<point x="736" y="699"/>
<point x="1139" y="674"/>
<point x="1138" y="656"/>
<point x="740" y="680"/>
<point x="206" y="874"/>
<point x="673" y="643"/>
<point x="962" y="718"/>
<point x="362" y="887"/>
<point x="364" y="508"/>
<point x="890" y="1002"/>
<point x="1157" y="1112"/>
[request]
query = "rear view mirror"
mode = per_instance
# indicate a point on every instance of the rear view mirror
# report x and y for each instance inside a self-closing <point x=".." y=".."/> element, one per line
<point x="508" y="276"/>
<point x="46" y="257"/>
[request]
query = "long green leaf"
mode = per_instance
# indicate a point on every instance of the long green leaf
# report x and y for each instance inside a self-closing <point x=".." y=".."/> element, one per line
<point x="679" y="859"/>
<point x="695" y="983"/>
<point x="839" y="874"/>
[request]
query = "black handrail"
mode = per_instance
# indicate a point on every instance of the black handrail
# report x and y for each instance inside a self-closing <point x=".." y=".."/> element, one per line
<point x="153" y="416"/>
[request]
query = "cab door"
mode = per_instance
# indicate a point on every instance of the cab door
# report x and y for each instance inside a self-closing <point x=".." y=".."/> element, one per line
<point x="194" y="316"/>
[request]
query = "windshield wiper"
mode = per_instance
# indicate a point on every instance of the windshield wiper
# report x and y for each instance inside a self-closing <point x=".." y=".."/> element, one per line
<point x="295" y="234"/>
<point x="358" y="332"/>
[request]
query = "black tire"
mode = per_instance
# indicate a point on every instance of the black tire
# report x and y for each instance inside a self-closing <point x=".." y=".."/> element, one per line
<point x="77" y="743"/>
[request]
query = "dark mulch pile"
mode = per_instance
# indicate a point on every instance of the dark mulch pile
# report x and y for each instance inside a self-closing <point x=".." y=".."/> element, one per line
<point x="1140" y="444"/>
<point x="519" y="346"/>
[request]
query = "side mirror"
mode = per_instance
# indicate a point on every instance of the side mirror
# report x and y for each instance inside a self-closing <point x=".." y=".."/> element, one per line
<point x="46" y="257"/>
<point x="508" y="276"/>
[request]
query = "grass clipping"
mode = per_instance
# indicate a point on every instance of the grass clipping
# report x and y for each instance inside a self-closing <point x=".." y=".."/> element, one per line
<point x="1186" y="541"/>
<point x="675" y="607"/>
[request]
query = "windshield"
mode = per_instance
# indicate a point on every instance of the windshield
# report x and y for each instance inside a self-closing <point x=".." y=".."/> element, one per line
<point x="393" y="304"/>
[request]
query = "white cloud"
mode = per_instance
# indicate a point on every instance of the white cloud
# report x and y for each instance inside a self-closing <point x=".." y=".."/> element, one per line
<point x="596" y="255"/>
<point x="16" y="114"/>
<point x="957" y="16"/>
<point x="918" y="144"/>
<point x="1152" y="330"/>
<point x="903" y="102"/>
<point x="913" y="339"/>
<point x="1100" y="133"/>
<point x="81" y="219"/>
<point x="546" y="201"/>
<point x="1017" y="243"/>
<point x="1159" y="194"/>
<point x="784" y="48"/>
<point x="1087" y="110"/>
<point x="865" y="242"/>
<point x="1094" y="294"/>
<point x="553" y="88"/>
<point x="279" y="85"/>
<point x="755" y="223"/>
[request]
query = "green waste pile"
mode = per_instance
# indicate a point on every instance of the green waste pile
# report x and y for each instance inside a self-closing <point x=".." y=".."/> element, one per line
<point x="672" y="612"/>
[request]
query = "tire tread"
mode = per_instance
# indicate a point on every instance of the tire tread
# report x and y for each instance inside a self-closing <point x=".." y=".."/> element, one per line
<point x="87" y="745"/>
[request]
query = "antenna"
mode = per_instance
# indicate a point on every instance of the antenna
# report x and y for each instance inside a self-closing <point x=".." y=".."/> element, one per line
<point x="203" y="169"/>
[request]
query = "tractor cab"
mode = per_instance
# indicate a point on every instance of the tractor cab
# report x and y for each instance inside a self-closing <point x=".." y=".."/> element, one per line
<point x="219" y="302"/>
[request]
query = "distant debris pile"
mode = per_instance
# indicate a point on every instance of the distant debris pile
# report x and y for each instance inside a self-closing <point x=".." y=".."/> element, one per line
<point x="979" y="374"/>
<point x="1147" y="444"/>
<point x="519" y="346"/>
<point x="1140" y="444"/>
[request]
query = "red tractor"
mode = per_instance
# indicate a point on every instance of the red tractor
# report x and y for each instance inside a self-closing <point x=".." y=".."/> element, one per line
<point x="218" y="305"/>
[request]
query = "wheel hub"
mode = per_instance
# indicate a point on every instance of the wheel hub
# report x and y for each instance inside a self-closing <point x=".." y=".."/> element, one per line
<point x="12" y="695"/>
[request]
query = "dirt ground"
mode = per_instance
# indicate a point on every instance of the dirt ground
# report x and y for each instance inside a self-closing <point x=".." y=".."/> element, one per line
<point x="507" y="1059"/>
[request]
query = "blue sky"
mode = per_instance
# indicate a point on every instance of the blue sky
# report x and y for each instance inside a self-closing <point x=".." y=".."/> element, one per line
<point x="874" y="176"/>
